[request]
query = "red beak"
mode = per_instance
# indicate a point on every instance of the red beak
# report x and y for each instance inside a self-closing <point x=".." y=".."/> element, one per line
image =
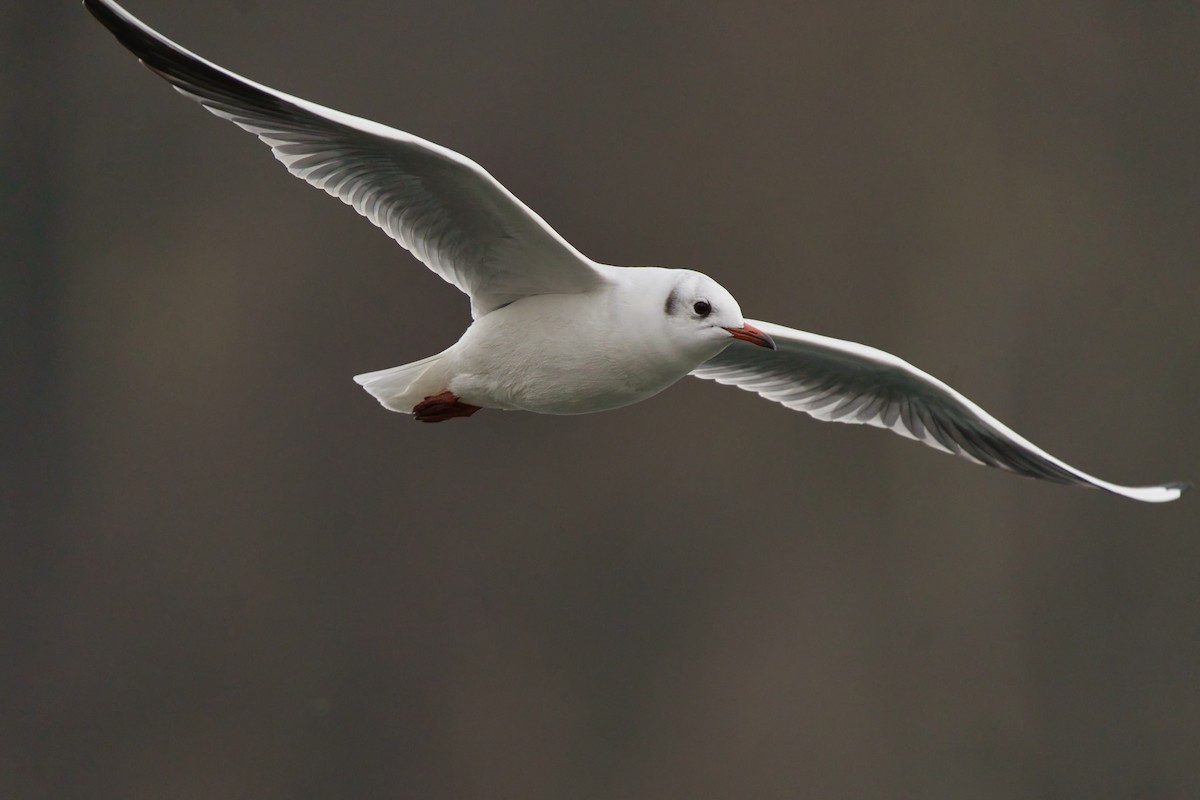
<point x="751" y="334"/>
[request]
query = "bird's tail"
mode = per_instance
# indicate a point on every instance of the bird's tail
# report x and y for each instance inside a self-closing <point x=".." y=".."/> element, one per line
<point x="400" y="388"/>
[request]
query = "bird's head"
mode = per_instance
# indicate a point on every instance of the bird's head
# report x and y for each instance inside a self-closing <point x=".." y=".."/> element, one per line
<point x="700" y="314"/>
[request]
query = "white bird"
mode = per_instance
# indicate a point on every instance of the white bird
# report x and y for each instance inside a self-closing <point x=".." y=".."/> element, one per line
<point x="553" y="331"/>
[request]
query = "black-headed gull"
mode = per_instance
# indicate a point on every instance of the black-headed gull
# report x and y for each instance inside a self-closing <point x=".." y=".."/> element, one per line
<point x="553" y="331"/>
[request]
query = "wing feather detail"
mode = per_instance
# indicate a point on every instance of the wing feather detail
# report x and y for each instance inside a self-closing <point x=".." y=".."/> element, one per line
<point x="441" y="206"/>
<point x="840" y="381"/>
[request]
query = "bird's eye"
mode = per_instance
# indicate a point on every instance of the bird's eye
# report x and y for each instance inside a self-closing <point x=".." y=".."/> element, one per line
<point x="702" y="308"/>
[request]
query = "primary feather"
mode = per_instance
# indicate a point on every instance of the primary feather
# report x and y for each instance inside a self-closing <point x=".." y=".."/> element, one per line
<point x="839" y="381"/>
<point x="441" y="206"/>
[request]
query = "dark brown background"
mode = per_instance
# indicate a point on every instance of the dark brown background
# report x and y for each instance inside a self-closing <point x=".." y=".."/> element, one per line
<point x="227" y="573"/>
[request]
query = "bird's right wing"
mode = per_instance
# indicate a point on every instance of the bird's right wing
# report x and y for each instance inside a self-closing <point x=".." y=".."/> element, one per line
<point x="439" y="205"/>
<point x="841" y="381"/>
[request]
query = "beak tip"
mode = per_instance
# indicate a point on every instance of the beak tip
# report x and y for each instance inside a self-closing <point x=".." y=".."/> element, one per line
<point x="751" y="334"/>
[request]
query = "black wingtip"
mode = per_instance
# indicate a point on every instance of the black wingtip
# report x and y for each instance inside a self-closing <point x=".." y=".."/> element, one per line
<point x="120" y="23"/>
<point x="154" y="50"/>
<point x="107" y="13"/>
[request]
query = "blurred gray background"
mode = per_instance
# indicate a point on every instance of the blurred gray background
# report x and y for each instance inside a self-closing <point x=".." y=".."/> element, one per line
<point x="227" y="573"/>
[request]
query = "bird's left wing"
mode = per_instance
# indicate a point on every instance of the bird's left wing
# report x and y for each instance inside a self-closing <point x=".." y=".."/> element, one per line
<point x="436" y="203"/>
<point x="841" y="381"/>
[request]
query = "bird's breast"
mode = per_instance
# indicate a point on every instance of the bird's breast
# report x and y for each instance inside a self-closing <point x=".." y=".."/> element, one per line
<point x="558" y="355"/>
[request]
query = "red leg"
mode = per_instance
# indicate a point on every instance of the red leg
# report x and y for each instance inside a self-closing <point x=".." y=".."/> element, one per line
<point x="441" y="407"/>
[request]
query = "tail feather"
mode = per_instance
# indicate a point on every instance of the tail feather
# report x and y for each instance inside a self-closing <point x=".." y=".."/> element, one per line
<point x="399" y="388"/>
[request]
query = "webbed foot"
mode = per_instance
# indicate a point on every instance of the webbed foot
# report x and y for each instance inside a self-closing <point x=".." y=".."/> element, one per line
<point x="441" y="407"/>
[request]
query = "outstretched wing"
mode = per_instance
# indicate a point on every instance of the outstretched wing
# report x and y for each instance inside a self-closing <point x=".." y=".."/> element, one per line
<point x="441" y="206"/>
<point x="841" y="381"/>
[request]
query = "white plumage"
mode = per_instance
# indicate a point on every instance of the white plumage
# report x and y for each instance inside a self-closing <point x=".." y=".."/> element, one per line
<point x="555" y="332"/>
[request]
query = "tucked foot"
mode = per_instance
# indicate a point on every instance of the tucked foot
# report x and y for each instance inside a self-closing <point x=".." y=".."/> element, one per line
<point x="441" y="407"/>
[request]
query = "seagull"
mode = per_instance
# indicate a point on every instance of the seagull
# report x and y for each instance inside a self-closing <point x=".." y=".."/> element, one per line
<point x="554" y="332"/>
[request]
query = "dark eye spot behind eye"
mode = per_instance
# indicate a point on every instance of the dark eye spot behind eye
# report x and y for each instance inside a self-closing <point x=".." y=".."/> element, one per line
<point x="702" y="308"/>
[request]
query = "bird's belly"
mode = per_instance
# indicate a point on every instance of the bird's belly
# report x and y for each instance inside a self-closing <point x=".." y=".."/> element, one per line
<point x="561" y="354"/>
<point x="548" y="380"/>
